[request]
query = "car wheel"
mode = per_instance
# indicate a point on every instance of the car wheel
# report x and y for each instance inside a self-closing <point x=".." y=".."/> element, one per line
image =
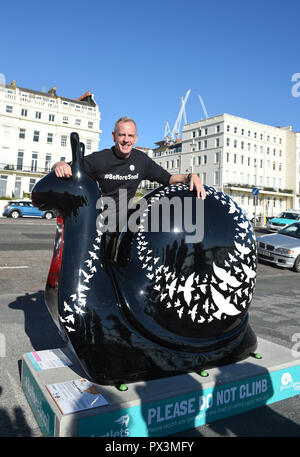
<point x="15" y="214"/>
<point x="296" y="266"/>
<point x="48" y="216"/>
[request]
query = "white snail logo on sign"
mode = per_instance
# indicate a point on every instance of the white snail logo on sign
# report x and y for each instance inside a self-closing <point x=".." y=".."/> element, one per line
<point x="287" y="382"/>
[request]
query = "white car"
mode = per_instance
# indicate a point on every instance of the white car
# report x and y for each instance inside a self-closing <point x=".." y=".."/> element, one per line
<point x="282" y="248"/>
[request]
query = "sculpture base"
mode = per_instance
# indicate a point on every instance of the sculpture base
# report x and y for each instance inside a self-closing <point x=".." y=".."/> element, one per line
<point x="65" y="406"/>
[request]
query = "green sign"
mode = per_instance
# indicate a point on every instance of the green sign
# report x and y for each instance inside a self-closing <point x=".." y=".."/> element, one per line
<point x="42" y="412"/>
<point x="175" y="414"/>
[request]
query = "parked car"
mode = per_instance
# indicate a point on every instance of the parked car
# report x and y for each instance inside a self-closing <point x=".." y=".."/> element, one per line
<point x="283" y="219"/>
<point x="17" y="209"/>
<point x="282" y="248"/>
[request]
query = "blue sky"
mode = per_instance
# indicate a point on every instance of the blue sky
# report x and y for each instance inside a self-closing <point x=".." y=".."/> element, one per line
<point x="139" y="57"/>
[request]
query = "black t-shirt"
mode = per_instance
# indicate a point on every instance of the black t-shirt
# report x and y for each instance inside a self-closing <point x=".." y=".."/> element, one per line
<point x="115" y="174"/>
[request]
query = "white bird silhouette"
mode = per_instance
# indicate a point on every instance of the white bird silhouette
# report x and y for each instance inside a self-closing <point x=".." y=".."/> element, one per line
<point x="67" y="307"/>
<point x="177" y="303"/>
<point x="156" y="287"/>
<point x="86" y="275"/>
<point x="93" y="269"/>
<point x="78" y="310"/>
<point x="180" y="311"/>
<point x="162" y="296"/>
<point x="193" y="312"/>
<point x="232" y="207"/>
<point x="73" y="296"/>
<point x="201" y="320"/>
<point x="224" y="305"/>
<point x="243" y="250"/>
<point x="250" y="274"/>
<point x="70" y="329"/>
<point x="156" y="259"/>
<point x="187" y="289"/>
<point x="172" y="288"/>
<point x="226" y="277"/>
<point x="93" y="255"/>
<point x="70" y="318"/>
<point x="89" y="263"/>
<point x="150" y="276"/>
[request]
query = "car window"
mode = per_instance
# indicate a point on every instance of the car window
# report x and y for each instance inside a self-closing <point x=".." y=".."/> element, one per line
<point x="291" y="230"/>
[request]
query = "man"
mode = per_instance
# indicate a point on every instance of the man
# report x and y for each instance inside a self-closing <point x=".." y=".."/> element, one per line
<point x="124" y="167"/>
<point x="121" y="169"/>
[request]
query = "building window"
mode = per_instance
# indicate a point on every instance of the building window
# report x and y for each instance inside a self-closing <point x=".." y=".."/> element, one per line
<point x="50" y="138"/>
<point x="51" y="117"/>
<point x="242" y="131"/>
<point x="65" y="120"/>
<point x="227" y="141"/>
<point x="234" y="158"/>
<point x="235" y="129"/>
<point x="217" y="157"/>
<point x="204" y="159"/>
<point x="9" y="109"/>
<point x="63" y="141"/>
<point x="205" y="144"/>
<point x="48" y="162"/>
<point x="228" y="128"/>
<point x="216" y="178"/>
<point x="218" y="128"/>
<point x="20" y="159"/>
<point x="24" y="112"/>
<point x="194" y="134"/>
<point x="77" y="121"/>
<point x="36" y="135"/>
<point x="235" y="143"/>
<point x="200" y="132"/>
<point x="17" y="190"/>
<point x="22" y="133"/>
<point x="227" y="157"/>
<point x="38" y="115"/>
<point x="89" y="144"/>
<point x="34" y="160"/>
<point x="31" y="184"/>
<point x="3" y="185"/>
<point x="199" y="145"/>
<point x="199" y="160"/>
<point x="217" y="142"/>
<point x="206" y="131"/>
<point x="90" y="124"/>
<point x="204" y="178"/>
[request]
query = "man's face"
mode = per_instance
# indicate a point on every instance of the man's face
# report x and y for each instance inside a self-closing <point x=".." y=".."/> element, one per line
<point x="125" y="138"/>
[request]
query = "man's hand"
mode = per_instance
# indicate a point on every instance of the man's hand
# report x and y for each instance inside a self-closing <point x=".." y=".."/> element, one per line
<point x="62" y="170"/>
<point x="195" y="181"/>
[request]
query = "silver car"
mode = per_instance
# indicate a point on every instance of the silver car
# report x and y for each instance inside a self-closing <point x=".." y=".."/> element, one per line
<point x="282" y="248"/>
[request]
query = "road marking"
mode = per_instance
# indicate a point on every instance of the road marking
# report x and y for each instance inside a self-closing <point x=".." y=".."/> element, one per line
<point x="20" y="266"/>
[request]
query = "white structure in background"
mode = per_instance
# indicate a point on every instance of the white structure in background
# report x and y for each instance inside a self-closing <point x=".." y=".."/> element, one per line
<point x="234" y="155"/>
<point x="35" y="130"/>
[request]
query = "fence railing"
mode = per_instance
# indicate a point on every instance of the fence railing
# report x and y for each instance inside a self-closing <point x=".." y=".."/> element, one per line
<point x="26" y="169"/>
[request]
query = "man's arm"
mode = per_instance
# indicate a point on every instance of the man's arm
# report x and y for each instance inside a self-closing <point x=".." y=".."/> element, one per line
<point x="194" y="182"/>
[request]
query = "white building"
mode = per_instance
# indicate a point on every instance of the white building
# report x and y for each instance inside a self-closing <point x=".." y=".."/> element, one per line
<point x="235" y="155"/>
<point x="35" y="130"/>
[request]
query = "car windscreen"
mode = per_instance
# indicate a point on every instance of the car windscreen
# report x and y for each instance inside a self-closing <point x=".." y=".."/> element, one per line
<point x="292" y="230"/>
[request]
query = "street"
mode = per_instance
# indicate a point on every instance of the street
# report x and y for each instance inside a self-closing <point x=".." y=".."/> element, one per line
<point x="25" y="325"/>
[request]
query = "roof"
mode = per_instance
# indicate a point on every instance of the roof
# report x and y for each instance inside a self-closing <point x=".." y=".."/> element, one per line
<point x="86" y="99"/>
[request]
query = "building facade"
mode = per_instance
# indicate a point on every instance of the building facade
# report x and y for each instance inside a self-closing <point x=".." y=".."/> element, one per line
<point x="235" y="155"/>
<point x="35" y="130"/>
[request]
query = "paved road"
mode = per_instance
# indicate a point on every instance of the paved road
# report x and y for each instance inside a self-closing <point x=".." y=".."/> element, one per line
<point x="26" y="326"/>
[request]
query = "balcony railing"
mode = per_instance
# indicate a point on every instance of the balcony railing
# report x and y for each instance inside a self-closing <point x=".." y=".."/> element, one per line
<point x="24" y="169"/>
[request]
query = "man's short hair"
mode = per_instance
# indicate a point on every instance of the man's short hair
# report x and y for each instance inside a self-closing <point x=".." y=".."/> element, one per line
<point x="124" y="119"/>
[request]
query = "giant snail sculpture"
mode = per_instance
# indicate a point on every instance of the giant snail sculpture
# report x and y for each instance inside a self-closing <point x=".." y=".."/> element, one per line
<point x="159" y="306"/>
